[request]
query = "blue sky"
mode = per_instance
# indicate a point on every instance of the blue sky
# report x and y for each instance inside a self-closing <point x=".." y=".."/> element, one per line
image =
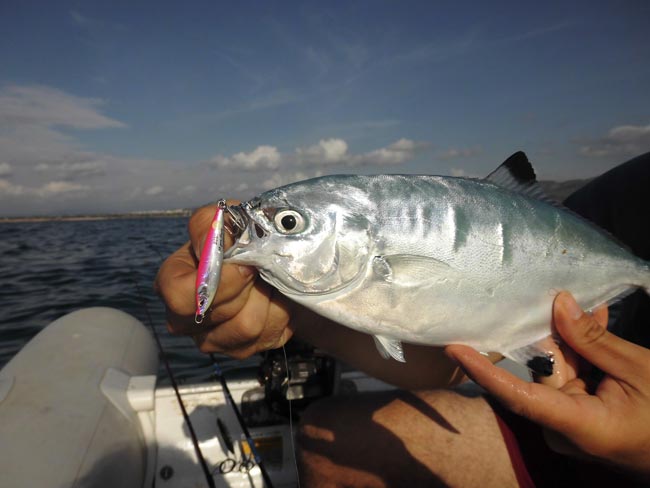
<point x="116" y="106"/>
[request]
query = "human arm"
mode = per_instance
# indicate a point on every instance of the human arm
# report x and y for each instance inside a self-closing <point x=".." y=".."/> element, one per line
<point x="609" y="422"/>
<point x="250" y="316"/>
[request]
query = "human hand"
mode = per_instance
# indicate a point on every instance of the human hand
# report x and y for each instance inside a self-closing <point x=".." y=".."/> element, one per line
<point x="610" y="422"/>
<point x="247" y="315"/>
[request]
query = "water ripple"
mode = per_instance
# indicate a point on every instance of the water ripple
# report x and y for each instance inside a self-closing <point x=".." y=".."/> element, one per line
<point x="49" y="269"/>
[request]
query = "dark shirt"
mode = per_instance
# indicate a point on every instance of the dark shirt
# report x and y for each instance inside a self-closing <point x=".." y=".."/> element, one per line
<point x="619" y="202"/>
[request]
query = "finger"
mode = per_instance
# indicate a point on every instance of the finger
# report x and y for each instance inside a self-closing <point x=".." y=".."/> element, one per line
<point x="539" y="403"/>
<point x="175" y="283"/>
<point x="583" y="333"/>
<point x="567" y="362"/>
<point x="260" y="325"/>
<point x="601" y="315"/>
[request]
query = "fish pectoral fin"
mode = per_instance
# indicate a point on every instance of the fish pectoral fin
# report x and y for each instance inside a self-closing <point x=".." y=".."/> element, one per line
<point x="389" y="348"/>
<point x="410" y="270"/>
<point x="538" y="356"/>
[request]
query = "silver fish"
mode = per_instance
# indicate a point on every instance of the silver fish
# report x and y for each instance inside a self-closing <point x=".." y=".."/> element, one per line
<point x="434" y="260"/>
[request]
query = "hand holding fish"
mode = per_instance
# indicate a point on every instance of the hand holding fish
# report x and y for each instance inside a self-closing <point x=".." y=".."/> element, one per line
<point x="246" y="316"/>
<point x="610" y="423"/>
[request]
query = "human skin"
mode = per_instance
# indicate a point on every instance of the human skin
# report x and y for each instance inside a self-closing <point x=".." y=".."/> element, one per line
<point x="608" y="422"/>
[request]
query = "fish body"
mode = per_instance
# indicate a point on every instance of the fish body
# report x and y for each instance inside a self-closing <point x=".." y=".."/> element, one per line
<point x="434" y="260"/>
<point x="210" y="263"/>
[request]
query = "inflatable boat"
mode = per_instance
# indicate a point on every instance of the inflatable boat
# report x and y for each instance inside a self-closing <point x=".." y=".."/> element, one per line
<point x="80" y="407"/>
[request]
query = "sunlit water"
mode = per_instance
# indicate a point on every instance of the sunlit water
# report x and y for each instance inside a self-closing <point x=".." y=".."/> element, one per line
<point x="48" y="269"/>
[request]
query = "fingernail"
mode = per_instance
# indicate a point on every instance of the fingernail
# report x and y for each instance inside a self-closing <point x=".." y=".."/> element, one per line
<point x="246" y="271"/>
<point x="572" y="307"/>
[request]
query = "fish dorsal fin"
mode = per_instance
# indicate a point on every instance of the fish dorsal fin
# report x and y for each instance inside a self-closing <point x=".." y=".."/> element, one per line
<point x="517" y="175"/>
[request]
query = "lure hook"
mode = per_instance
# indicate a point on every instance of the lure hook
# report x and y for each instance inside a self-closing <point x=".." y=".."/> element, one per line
<point x="236" y="218"/>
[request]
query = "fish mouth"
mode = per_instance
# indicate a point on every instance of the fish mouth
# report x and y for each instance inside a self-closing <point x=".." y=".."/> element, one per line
<point x="249" y="227"/>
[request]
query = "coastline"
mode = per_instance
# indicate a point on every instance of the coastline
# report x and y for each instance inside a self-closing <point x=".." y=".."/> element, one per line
<point x="79" y="218"/>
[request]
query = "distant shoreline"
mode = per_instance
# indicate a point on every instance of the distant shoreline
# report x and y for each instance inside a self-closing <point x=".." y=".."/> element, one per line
<point x="80" y="218"/>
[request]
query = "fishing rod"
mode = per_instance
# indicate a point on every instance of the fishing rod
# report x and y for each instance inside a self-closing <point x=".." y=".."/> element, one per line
<point x="195" y="442"/>
<point x="219" y="374"/>
<point x="242" y="424"/>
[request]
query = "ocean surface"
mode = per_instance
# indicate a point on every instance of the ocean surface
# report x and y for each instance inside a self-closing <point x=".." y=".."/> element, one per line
<point x="48" y="269"/>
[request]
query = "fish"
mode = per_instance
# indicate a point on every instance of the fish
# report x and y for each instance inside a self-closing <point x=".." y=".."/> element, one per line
<point x="435" y="260"/>
<point x="210" y="263"/>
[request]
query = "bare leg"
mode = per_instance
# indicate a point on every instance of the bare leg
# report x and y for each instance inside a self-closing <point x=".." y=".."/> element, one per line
<point x="394" y="439"/>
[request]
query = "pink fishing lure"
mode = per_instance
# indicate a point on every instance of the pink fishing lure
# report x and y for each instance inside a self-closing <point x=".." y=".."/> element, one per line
<point x="209" y="272"/>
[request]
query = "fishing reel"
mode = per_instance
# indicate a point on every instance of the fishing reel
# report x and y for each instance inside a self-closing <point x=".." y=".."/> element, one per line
<point x="301" y="376"/>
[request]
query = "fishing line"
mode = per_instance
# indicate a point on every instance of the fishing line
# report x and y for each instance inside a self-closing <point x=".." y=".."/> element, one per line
<point x="293" y="446"/>
<point x="186" y="417"/>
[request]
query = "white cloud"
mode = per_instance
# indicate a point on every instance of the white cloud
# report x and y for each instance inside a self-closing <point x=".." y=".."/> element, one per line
<point x="46" y="169"/>
<point x="398" y="152"/>
<point x="32" y="124"/>
<point x="49" y="107"/>
<point x="327" y="151"/>
<point x="58" y="187"/>
<point x="263" y="157"/>
<point x="8" y="188"/>
<point x="73" y="169"/>
<point x="335" y="151"/>
<point x="187" y="190"/>
<point x="49" y="166"/>
<point x="624" y="140"/>
<point x="154" y="190"/>
<point x="454" y="152"/>
<point x="48" y="189"/>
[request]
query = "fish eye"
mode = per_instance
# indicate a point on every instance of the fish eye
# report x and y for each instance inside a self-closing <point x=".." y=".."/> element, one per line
<point x="289" y="222"/>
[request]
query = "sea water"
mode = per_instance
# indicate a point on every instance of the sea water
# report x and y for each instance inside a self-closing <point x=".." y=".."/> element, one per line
<point x="48" y="269"/>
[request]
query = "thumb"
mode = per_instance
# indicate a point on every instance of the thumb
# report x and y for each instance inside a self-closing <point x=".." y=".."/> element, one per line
<point x="591" y="340"/>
